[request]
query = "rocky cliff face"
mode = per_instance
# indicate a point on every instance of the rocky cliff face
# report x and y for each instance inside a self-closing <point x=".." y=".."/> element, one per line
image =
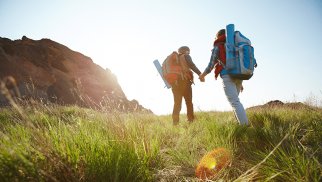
<point x="50" y="71"/>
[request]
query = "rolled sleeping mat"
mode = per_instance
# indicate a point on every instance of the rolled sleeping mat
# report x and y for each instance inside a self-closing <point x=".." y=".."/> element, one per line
<point x="230" y="47"/>
<point x="230" y="31"/>
<point x="159" y="68"/>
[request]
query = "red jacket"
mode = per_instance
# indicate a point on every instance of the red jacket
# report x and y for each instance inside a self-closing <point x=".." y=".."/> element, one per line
<point x="220" y="43"/>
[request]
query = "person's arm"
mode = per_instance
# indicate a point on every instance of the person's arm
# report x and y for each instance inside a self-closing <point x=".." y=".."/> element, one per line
<point x="191" y="64"/>
<point x="213" y="61"/>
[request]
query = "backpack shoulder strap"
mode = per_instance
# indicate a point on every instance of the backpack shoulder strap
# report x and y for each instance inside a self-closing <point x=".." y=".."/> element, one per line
<point x="186" y="72"/>
<point x="218" y="59"/>
<point x="183" y="62"/>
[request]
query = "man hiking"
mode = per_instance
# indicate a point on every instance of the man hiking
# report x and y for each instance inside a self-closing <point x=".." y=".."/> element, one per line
<point x="181" y="88"/>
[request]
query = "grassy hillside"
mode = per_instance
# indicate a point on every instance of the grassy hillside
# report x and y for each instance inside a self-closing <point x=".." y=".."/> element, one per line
<point x="56" y="143"/>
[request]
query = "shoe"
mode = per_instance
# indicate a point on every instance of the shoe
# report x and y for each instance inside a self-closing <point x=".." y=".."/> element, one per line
<point x="190" y="120"/>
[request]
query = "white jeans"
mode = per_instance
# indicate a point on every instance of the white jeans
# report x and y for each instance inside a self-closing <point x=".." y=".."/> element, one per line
<point x="232" y="89"/>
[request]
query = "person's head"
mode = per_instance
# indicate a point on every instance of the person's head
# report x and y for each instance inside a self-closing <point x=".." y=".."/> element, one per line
<point x="184" y="50"/>
<point x="220" y="33"/>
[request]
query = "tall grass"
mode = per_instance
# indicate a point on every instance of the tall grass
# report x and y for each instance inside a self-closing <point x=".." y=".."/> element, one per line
<point x="59" y="143"/>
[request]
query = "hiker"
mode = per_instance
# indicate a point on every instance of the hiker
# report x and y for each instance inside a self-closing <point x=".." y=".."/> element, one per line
<point x="182" y="88"/>
<point x="232" y="86"/>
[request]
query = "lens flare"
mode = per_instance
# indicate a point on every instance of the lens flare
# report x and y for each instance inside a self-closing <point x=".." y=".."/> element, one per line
<point x="212" y="163"/>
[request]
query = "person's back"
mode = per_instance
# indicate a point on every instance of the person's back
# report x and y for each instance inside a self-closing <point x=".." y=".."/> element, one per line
<point x="182" y="88"/>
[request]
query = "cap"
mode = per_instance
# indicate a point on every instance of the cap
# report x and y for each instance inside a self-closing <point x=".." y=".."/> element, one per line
<point x="184" y="50"/>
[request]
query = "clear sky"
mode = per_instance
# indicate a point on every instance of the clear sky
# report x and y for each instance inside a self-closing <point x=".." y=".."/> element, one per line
<point x="126" y="36"/>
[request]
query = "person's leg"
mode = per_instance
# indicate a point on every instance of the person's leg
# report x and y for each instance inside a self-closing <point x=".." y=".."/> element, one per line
<point x="188" y="99"/>
<point x="232" y="89"/>
<point x="177" y="99"/>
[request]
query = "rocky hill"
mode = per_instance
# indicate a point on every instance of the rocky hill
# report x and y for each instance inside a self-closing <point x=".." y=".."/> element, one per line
<point x="279" y="104"/>
<point x="51" y="72"/>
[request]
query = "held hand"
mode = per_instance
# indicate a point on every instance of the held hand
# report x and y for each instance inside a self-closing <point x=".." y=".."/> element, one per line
<point x="202" y="77"/>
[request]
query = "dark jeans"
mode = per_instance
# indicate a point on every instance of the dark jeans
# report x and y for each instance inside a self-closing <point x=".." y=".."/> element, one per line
<point x="179" y="90"/>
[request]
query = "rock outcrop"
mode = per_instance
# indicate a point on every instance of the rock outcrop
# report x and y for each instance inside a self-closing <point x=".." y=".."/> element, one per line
<point x="280" y="104"/>
<point x="49" y="71"/>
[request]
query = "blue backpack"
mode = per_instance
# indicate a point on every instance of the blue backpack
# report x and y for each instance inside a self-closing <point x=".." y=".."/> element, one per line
<point x="240" y="60"/>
